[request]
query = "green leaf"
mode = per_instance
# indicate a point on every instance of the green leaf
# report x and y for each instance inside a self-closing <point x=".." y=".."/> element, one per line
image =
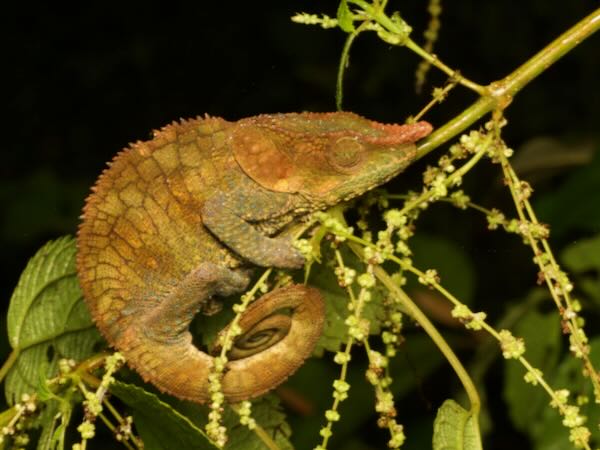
<point x="549" y="432"/>
<point x="542" y="335"/>
<point x="455" y="428"/>
<point x="47" y="318"/>
<point x="345" y="17"/>
<point x="46" y="439"/>
<point x="161" y="427"/>
<point x="172" y="423"/>
<point x="54" y="419"/>
<point x="268" y="413"/>
<point x="205" y="328"/>
<point x="573" y="206"/>
<point x="449" y="260"/>
<point x="583" y="257"/>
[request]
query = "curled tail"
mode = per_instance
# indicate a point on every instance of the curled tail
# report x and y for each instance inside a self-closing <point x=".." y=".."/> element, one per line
<point x="279" y="331"/>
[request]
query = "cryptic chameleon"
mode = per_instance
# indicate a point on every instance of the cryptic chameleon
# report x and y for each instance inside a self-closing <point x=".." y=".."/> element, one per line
<point x="177" y="222"/>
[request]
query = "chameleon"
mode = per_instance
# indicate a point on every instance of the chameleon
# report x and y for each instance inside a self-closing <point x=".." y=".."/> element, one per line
<point x="177" y="223"/>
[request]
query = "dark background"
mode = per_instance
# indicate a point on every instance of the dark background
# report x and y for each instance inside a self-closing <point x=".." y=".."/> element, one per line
<point x="82" y="81"/>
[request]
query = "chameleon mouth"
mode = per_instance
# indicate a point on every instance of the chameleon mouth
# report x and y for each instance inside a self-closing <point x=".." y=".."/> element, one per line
<point x="353" y="195"/>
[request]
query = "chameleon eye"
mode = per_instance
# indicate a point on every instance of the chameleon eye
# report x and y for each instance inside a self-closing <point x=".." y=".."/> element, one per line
<point x="345" y="153"/>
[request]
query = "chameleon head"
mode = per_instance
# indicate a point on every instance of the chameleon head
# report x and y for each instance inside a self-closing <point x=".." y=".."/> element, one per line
<point x="326" y="157"/>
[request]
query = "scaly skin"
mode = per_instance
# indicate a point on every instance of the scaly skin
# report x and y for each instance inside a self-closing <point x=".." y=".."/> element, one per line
<point x="176" y="222"/>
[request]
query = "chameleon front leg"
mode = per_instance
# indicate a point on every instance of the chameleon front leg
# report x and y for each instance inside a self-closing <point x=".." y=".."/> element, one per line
<point x="224" y="219"/>
<point x="160" y="347"/>
<point x="170" y="320"/>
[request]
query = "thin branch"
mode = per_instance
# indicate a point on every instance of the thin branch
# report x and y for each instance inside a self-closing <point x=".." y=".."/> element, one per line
<point x="500" y="93"/>
<point x="8" y="363"/>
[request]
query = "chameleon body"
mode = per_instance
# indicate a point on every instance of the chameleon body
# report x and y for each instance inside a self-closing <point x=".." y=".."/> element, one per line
<point x="176" y="222"/>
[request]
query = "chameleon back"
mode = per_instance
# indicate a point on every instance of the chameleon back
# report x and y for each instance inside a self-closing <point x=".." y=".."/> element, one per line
<point x="142" y="229"/>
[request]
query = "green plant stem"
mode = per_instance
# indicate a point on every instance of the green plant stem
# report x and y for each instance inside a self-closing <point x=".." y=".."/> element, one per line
<point x="455" y="126"/>
<point x="414" y="311"/>
<point x="265" y="438"/>
<point x="349" y="342"/>
<point x="556" y="287"/>
<point x="488" y="349"/>
<point x="229" y="335"/>
<point x="8" y="363"/>
<point x="499" y="94"/>
<point x="260" y="432"/>
<point x="134" y="439"/>
<point x="113" y="429"/>
<point x="344" y="60"/>
<point x="457" y="175"/>
<point x="437" y="98"/>
<point x="540" y="379"/>
<point x="475" y="206"/>
<point x="7" y="415"/>
<point x="378" y="15"/>
<point x="85" y="368"/>
<point x="434" y="61"/>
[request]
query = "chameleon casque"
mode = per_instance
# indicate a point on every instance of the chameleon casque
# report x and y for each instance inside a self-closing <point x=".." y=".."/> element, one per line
<point x="177" y="222"/>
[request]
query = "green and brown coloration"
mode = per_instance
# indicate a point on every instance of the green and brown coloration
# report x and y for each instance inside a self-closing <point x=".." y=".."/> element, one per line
<point x="176" y="221"/>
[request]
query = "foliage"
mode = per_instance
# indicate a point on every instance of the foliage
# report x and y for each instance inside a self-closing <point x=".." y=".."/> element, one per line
<point x="455" y="428"/>
<point x="47" y="319"/>
<point x="371" y="270"/>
